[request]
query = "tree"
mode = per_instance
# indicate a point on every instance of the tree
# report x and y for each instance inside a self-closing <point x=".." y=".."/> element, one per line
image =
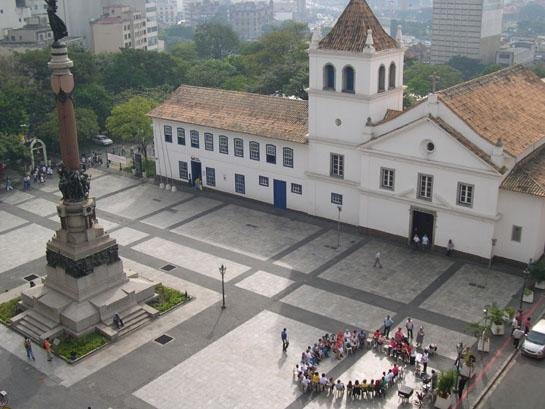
<point x="95" y="97"/>
<point x="129" y="122"/>
<point x="418" y="78"/>
<point x="11" y="148"/>
<point x="489" y="69"/>
<point x="185" y="51"/>
<point x="468" y="67"/>
<point x="210" y="73"/>
<point x="175" y="34"/>
<point x="215" y="40"/>
<point x="539" y="69"/>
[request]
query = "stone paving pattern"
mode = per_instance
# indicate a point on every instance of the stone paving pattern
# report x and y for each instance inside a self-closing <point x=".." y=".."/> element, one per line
<point x="283" y="269"/>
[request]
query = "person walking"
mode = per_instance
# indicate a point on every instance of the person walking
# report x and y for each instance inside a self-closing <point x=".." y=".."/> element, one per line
<point x="517" y="336"/>
<point x="47" y="347"/>
<point x="387" y="326"/>
<point x="28" y="348"/>
<point x="377" y="260"/>
<point x="285" y="342"/>
<point x="420" y="337"/>
<point x="409" y="325"/>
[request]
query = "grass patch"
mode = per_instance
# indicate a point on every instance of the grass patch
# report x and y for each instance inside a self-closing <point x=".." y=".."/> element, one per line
<point x="167" y="298"/>
<point x="8" y="310"/>
<point x="81" y="346"/>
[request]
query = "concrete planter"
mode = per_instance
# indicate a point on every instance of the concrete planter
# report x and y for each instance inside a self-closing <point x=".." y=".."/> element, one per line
<point x="529" y="297"/>
<point x="497" y="329"/>
<point x="483" y="345"/>
<point x="540" y="285"/>
<point x="443" y="403"/>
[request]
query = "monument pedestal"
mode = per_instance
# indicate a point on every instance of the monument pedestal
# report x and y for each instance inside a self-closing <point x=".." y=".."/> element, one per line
<point x="85" y="283"/>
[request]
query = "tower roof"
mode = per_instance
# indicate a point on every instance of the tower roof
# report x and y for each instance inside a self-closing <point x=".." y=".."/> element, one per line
<point x="350" y="31"/>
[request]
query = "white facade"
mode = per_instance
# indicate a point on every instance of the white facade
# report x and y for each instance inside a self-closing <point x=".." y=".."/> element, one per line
<point x="12" y="16"/>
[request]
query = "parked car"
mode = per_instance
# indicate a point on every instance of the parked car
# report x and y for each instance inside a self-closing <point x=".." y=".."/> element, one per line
<point x="102" y="140"/>
<point x="534" y="343"/>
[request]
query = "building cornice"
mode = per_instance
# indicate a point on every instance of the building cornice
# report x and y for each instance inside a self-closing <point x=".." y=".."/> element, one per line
<point x="354" y="97"/>
<point x="335" y="142"/>
<point x="356" y="55"/>
<point x="337" y="181"/>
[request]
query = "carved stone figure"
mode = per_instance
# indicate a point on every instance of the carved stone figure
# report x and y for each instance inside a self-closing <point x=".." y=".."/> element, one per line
<point x="73" y="184"/>
<point x="55" y="22"/>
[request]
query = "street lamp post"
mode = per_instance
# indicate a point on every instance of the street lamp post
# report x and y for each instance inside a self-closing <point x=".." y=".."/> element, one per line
<point x="339" y="208"/>
<point x="459" y="350"/>
<point x="222" y="269"/>
<point x="526" y="274"/>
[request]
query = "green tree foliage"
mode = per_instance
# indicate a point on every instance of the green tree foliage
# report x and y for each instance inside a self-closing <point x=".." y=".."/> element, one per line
<point x="175" y="34"/>
<point x="214" y="39"/>
<point x="184" y="51"/>
<point x="141" y="69"/>
<point x="419" y="82"/>
<point x="468" y="67"/>
<point x="539" y="69"/>
<point x="129" y="122"/>
<point x="95" y="97"/>
<point x="11" y="149"/>
<point x="210" y="73"/>
<point x="489" y="69"/>
<point x="531" y="20"/>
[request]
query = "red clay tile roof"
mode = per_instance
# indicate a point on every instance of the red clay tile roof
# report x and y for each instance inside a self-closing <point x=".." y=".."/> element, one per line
<point x="262" y="115"/>
<point x="528" y="176"/>
<point x="508" y="104"/>
<point x="350" y="30"/>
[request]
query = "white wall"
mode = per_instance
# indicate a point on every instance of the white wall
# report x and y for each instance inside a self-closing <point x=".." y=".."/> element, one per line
<point x="528" y="212"/>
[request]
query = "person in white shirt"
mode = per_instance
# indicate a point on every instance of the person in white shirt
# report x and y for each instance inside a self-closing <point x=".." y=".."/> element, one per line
<point x="416" y="241"/>
<point x="377" y="260"/>
<point x="425" y="241"/>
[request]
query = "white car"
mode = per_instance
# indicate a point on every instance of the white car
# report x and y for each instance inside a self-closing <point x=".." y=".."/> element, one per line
<point x="102" y="140"/>
<point x="534" y="343"/>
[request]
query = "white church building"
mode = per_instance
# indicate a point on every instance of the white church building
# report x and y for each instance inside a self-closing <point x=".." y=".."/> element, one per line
<point x="465" y="164"/>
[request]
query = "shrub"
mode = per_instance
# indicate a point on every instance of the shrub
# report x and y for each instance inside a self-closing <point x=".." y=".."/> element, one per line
<point x="9" y="309"/>
<point x="81" y="346"/>
<point x="446" y="382"/>
<point x="167" y="298"/>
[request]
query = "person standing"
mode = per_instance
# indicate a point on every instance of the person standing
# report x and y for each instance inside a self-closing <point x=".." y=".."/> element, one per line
<point x="409" y="325"/>
<point x="425" y="241"/>
<point x="47" y="347"/>
<point x="377" y="260"/>
<point x="450" y="247"/>
<point x="28" y="348"/>
<point x="517" y="336"/>
<point x="387" y="326"/>
<point x="425" y="360"/>
<point x="420" y="337"/>
<point x="285" y="342"/>
<point x="527" y="325"/>
<point x="416" y="241"/>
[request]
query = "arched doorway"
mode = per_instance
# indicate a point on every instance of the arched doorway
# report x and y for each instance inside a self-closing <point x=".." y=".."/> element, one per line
<point x="37" y="147"/>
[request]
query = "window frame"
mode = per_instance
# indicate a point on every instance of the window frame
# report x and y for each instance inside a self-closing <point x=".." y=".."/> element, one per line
<point x="326" y="82"/>
<point x="210" y="176"/>
<point x="471" y="195"/>
<point x="254" y="144"/>
<point x="351" y="90"/>
<point x="264" y="179"/>
<point x="419" y="195"/>
<point x="381" y="85"/>
<point x="297" y="188"/>
<point x="223" y="144"/>
<point x="209" y="141"/>
<point x="194" y="134"/>
<point x="167" y="135"/>
<point x="516" y="233"/>
<point x="238" y="151"/>
<point x="180" y="136"/>
<point x="186" y="170"/>
<point x="289" y="163"/>
<point x="383" y="177"/>
<point x="392" y="79"/>
<point x="334" y="197"/>
<point x="340" y="165"/>
<point x="267" y="154"/>
<point x="238" y="178"/>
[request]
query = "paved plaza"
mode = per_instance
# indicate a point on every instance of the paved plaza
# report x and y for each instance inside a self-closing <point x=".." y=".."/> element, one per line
<point x="284" y="269"/>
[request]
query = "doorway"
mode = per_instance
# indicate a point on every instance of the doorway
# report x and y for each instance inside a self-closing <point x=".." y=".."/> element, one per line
<point x="196" y="171"/>
<point x="279" y="194"/>
<point x="422" y="223"/>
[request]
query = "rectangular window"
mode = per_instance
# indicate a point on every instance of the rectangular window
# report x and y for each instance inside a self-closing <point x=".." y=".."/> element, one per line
<point x="182" y="166"/>
<point x="271" y="153"/>
<point x="254" y="150"/>
<point x="180" y="133"/>
<point x="516" y="234"/>
<point x="297" y="189"/>
<point x="425" y="186"/>
<point x="337" y="165"/>
<point x="465" y="194"/>
<point x="168" y="133"/>
<point x="224" y="144"/>
<point x="239" y="184"/>
<point x="264" y="181"/>
<point x="336" y="198"/>
<point x="287" y="156"/>
<point x="387" y="178"/>
<point x="208" y="141"/>
<point x="211" y="176"/>
<point x="194" y="135"/>
<point x="239" y="147"/>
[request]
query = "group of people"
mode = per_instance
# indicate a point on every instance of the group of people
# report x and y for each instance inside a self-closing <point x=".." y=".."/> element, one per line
<point x="40" y="174"/>
<point x="91" y="159"/>
<point x="521" y="327"/>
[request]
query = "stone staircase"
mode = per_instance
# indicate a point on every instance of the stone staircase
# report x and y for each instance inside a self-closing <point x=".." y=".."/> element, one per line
<point x="134" y="318"/>
<point x="35" y="326"/>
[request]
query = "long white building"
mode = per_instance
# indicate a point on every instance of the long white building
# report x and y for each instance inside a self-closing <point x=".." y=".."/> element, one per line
<point x="465" y="164"/>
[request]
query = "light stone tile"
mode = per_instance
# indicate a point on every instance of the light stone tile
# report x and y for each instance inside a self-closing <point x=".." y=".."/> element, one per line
<point x="246" y="231"/>
<point x="318" y="252"/>
<point x="445" y="339"/>
<point x="187" y="257"/>
<point x="50" y="186"/>
<point x="140" y="201"/>
<point x="470" y="289"/>
<point x="126" y="235"/>
<point x="39" y="206"/>
<point x="14" y="197"/>
<point x="265" y="283"/>
<point x="405" y="273"/>
<point x="109" y="184"/>
<point x="352" y="312"/>
<point x="249" y="357"/>
<point x="108" y="225"/>
<point x="9" y="221"/>
<point x="22" y="245"/>
<point x="72" y="374"/>
<point x="94" y="172"/>
<point x="181" y="212"/>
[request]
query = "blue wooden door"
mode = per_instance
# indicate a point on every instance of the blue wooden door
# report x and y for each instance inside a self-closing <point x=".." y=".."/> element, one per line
<point x="279" y="194"/>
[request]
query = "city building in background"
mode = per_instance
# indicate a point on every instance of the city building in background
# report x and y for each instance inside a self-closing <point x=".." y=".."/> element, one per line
<point x="36" y="33"/>
<point x="12" y="15"/>
<point x="167" y="12"/>
<point x="469" y="28"/>
<point x="248" y="18"/>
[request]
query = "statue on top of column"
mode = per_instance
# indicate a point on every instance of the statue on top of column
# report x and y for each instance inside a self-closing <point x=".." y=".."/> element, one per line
<point x="55" y="22"/>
